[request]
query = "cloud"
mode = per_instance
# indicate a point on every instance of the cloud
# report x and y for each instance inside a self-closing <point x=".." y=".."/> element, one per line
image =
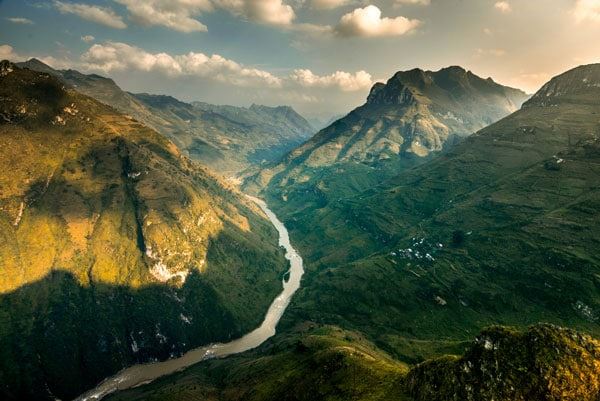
<point x="329" y="4"/>
<point x="87" y="38"/>
<point x="503" y="6"/>
<point x="8" y="53"/>
<point x="173" y="14"/>
<point x="368" y="22"/>
<point x="345" y="81"/>
<point x="19" y="20"/>
<point x="412" y="2"/>
<point x="587" y="10"/>
<point x="490" y="52"/>
<point x="271" y="12"/>
<point x="101" y="15"/>
<point x="180" y="15"/>
<point x="114" y="56"/>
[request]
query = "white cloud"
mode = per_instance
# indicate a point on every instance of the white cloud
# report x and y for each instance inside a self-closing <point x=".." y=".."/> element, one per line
<point x="272" y="12"/>
<point x="114" y="56"/>
<point x="180" y="15"/>
<point x="173" y="14"/>
<point x="488" y="31"/>
<point x="368" y="22"/>
<point x="87" y="38"/>
<point x="345" y="81"/>
<point x="101" y="15"/>
<point x="587" y="10"/>
<point x="503" y="6"/>
<point x="329" y="4"/>
<point x="20" y="20"/>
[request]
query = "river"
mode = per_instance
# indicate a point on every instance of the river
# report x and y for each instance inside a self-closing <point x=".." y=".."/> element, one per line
<point x="137" y="375"/>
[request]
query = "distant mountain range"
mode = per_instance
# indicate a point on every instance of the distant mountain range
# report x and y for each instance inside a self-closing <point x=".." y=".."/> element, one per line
<point x="228" y="139"/>
<point x="115" y="247"/>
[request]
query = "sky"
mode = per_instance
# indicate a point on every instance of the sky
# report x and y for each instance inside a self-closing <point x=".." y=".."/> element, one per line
<point x="319" y="56"/>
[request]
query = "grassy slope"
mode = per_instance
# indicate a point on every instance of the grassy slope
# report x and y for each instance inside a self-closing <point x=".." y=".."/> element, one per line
<point x="92" y="203"/>
<point x="326" y="363"/>
<point x="318" y="363"/>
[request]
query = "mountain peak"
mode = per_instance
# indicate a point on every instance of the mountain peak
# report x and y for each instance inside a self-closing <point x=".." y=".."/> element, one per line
<point x="37" y="65"/>
<point x="451" y="82"/>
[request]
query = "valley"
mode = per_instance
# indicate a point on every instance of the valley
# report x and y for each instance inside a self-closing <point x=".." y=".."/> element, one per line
<point x="321" y="200"/>
<point x="137" y="375"/>
<point x="419" y="267"/>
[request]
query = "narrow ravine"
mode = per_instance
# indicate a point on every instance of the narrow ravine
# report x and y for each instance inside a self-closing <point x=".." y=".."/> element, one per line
<point x="137" y="375"/>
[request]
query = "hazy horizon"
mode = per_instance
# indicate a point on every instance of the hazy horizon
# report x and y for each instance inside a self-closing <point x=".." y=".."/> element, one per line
<point x="319" y="56"/>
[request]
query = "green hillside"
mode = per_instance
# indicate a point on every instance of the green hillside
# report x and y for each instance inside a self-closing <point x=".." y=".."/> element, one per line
<point x="500" y="230"/>
<point x="114" y="248"/>
<point x="326" y="363"/>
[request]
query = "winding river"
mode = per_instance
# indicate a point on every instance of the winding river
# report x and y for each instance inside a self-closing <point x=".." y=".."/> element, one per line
<point x="137" y="375"/>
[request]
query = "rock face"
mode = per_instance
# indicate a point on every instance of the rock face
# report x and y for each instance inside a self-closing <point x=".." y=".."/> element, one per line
<point x="108" y="236"/>
<point x="228" y="139"/>
<point x="543" y="363"/>
<point x="580" y="85"/>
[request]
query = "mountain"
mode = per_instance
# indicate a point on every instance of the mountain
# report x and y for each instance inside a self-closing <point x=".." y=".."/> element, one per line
<point x="104" y="90"/>
<point x="115" y="248"/>
<point x="325" y="121"/>
<point x="414" y="116"/>
<point x="543" y="362"/>
<point x="228" y="139"/>
<point x="501" y="229"/>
